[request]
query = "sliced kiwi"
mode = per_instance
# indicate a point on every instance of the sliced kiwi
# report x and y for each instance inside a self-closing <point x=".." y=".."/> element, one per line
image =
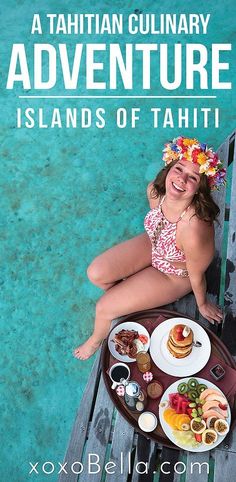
<point x="201" y="387"/>
<point x="192" y="395"/>
<point x="182" y="388"/>
<point x="192" y="383"/>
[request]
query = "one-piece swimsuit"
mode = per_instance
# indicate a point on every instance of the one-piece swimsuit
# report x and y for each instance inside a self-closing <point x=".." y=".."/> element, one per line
<point x="162" y="234"/>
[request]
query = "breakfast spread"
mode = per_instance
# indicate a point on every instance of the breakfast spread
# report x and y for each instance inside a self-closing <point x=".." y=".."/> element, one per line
<point x="180" y="341"/>
<point x="194" y="414"/>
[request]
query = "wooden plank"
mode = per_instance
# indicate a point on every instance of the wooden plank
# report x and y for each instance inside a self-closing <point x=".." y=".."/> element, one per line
<point x="197" y="467"/>
<point x="135" y="475"/>
<point x="213" y="274"/>
<point x="214" y="270"/>
<point x="225" y="459"/>
<point x="186" y="305"/>
<point x="80" y="427"/>
<point x="98" y="435"/>
<point x="229" y="443"/>
<point x="169" y="457"/>
<point x="229" y="327"/>
<point x="121" y="449"/>
<point x="145" y="454"/>
<point x="225" y="466"/>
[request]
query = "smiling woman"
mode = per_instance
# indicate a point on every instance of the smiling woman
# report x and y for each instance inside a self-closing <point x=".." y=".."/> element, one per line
<point x="170" y="259"/>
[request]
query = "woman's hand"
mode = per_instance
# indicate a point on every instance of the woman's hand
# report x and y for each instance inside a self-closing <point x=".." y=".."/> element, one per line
<point x="211" y="312"/>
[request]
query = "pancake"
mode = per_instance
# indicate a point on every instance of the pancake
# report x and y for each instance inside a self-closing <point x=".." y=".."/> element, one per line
<point x="178" y="345"/>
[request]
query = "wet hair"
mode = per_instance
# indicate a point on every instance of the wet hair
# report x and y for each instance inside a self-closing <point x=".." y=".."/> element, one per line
<point x="203" y="203"/>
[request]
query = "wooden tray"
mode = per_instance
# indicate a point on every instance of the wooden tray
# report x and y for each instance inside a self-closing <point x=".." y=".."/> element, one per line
<point x="107" y="360"/>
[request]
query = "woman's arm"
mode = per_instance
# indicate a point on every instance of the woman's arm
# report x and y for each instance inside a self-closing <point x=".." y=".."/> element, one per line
<point x="198" y="246"/>
<point x="153" y="200"/>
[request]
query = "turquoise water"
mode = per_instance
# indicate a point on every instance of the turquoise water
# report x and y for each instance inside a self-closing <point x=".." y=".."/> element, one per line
<point x="66" y="195"/>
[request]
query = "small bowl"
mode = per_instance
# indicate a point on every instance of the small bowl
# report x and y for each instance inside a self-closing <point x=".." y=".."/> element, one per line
<point x="147" y="416"/>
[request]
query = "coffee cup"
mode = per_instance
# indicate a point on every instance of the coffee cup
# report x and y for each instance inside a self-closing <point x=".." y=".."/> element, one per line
<point x="118" y="374"/>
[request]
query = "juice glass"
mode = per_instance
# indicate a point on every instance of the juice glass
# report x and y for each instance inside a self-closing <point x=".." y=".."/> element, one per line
<point x="143" y="361"/>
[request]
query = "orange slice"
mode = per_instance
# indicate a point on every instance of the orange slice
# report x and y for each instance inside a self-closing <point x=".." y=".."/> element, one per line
<point x="167" y="413"/>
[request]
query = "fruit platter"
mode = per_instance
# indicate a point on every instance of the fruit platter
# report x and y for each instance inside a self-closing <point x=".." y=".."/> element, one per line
<point x="194" y="414"/>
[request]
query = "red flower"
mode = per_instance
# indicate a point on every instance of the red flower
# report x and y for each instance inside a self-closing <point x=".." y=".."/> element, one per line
<point x="180" y="141"/>
<point x="195" y="154"/>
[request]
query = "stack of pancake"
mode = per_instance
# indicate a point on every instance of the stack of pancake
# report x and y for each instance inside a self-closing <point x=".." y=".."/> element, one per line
<point x="179" y="345"/>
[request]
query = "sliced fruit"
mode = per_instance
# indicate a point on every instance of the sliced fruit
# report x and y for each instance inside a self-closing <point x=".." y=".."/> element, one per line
<point x="189" y="412"/>
<point x="173" y="397"/>
<point x="223" y="407"/>
<point x="192" y="383"/>
<point x="210" y="421"/>
<point x="208" y="391"/>
<point x="209" y="436"/>
<point x="178" y="402"/>
<point x="184" y="406"/>
<point x="221" y="426"/>
<point x="182" y="388"/>
<point x="173" y="420"/>
<point x="185" y="426"/>
<point x="216" y="397"/>
<point x="211" y="413"/>
<point x="210" y="404"/>
<point x="164" y="404"/>
<point x="197" y="425"/>
<point x="167" y="413"/>
<point x="201" y="387"/>
<point x="192" y="394"/>
<point x="183" y="420"/>
<point x="224" y="413"/>
<point x="185" y="438"/>
<point x="198" y="437"/>
<point x="179" y="333"/>
<point x="194" y="413"/>
<point x="143" y="339"/>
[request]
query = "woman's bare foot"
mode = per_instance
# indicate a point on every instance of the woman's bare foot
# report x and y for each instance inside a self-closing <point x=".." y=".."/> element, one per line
<point x="85" y="351"/>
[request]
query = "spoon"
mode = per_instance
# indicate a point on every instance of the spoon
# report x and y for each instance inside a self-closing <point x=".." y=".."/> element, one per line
<point x="197" y="344"/>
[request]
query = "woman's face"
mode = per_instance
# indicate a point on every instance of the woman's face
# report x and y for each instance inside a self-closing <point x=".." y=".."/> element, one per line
<point x="182" y="180"/>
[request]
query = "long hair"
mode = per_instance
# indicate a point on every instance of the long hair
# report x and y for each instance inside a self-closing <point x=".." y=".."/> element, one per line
<point x="203" y="203"/>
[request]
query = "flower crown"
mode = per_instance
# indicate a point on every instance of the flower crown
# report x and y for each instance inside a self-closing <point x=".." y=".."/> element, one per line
<point x="183" y="148"/>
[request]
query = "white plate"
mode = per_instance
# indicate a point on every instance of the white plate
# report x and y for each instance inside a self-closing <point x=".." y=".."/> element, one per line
<point x="168" y="430"/>
<point x="179" y="367"/>
<point x="128" y="325"/>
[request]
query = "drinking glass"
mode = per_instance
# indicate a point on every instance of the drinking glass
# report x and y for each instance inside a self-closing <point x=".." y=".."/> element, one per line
<point x="143" y="361"/>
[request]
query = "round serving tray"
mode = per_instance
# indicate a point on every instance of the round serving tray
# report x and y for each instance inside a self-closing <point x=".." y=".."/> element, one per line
<point x="107" y="360"/>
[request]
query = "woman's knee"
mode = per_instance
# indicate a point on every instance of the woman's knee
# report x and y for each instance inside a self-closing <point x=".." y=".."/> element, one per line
<point x="97" y="273"/>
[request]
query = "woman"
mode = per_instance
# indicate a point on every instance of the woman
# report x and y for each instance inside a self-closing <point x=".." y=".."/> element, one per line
<point x="170" y="259"/>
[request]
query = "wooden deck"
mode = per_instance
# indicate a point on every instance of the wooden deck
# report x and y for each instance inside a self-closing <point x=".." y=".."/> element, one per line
<point x="99" y="429"/>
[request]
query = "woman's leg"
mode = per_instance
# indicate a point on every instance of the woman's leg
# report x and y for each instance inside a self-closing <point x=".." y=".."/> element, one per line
<point x="120" y="261"/>
<point x="149" y="288"/>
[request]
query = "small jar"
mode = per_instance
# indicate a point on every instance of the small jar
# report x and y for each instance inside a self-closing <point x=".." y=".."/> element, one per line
<point x="154" y="390"/>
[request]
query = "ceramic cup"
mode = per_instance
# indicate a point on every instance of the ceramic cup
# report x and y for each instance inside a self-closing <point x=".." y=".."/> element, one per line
<point x="119" y="373"/>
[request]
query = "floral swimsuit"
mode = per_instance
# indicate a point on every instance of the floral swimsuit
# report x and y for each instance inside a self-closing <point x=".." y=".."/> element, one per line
<point x="162" y="234"/>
